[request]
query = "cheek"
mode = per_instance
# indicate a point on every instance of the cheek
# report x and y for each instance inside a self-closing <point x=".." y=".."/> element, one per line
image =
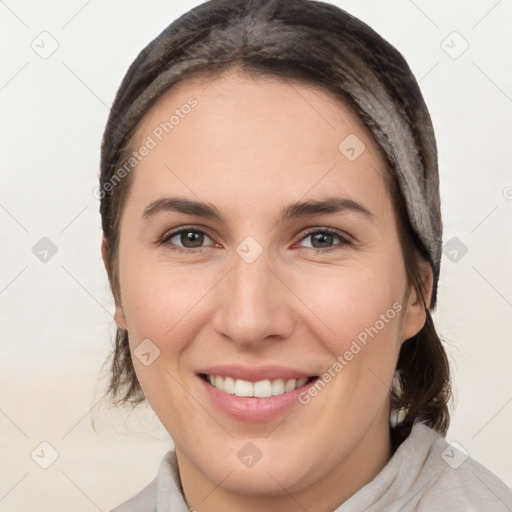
<point x="166" y="304"/>
<point x="158" y="304"/>
<point x="357" y="298"/>
<point x="363" y="310"/>
<point x="155" y="300"/>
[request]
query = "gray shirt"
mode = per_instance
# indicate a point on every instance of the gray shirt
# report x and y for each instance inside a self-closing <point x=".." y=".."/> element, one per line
<point x="425" y="474"/>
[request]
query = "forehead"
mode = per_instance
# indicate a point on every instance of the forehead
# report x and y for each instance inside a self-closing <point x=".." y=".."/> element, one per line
<point x="240" y="134"/>
<point x="277" y="101"/>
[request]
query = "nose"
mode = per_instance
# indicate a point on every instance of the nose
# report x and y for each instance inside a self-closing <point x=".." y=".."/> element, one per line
<point x="254" y="303"/>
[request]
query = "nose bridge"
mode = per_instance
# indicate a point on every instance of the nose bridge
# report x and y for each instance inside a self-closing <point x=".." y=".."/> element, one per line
<point x="253" y="306"/>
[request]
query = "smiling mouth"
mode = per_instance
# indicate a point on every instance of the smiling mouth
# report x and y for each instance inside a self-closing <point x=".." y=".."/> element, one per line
<point x="259" y="389"/>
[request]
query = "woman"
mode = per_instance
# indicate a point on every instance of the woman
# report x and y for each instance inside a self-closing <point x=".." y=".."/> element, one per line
<point x="272" y="235"/>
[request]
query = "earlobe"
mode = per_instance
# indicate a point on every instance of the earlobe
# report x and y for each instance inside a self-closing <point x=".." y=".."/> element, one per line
<point x="120" y="318"/>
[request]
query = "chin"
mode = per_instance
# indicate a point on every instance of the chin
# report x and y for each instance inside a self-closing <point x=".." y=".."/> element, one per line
<point x="270" y="475"/>
<point x="268" y="480"/>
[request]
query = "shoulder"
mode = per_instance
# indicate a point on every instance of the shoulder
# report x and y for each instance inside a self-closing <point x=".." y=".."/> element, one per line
<point x="143" y="501"/>
<point x="163" y="491"/>
<point x="459" y="482"/>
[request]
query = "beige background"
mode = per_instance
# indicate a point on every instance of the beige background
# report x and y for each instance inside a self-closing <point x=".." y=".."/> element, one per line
<point x="56" y="323"/>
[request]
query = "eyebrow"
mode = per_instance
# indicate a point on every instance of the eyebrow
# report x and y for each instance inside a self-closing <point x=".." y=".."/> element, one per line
<point x="330" y="204"/>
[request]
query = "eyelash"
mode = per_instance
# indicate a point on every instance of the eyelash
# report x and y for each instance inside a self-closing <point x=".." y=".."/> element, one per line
<point x="165" y="239"/>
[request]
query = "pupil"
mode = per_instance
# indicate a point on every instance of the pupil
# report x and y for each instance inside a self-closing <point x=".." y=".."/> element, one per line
<point x="193" y="237"/>
<point x="323" y="236"/>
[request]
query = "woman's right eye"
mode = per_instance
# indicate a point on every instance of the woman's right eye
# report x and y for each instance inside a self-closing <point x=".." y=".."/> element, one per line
<point x="190" y="238"/>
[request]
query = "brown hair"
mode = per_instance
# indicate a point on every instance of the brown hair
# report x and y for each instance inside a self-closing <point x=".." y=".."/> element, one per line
<point x="306" y="41"/>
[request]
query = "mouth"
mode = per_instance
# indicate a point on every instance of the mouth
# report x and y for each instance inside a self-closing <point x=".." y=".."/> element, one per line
<point x="255" y="394"/>
<point x="260" y="389"/>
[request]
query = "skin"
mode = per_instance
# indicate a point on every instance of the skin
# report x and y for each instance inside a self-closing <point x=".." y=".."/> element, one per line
<point x="249" y="148"/>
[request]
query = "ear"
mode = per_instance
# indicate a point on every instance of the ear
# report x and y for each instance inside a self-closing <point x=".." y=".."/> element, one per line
<point x="119" y="314"/>
<point x="416" y="315"/>
<point x="104" y="255"/>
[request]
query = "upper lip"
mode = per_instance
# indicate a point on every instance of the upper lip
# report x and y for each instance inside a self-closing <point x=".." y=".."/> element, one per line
<point x="255" y="373"/>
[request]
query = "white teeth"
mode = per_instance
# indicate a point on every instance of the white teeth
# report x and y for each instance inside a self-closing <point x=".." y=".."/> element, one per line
<point x="243" y="388"/>
<point x="301" y="382"/>
<point x="278" y="387"/>
<point x="260" y="389"/>
<point x="290" y="385"/>
<point x="229" y="385"/>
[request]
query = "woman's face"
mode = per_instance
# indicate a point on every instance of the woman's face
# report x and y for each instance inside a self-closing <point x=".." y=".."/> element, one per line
<point x="266" y="284"/>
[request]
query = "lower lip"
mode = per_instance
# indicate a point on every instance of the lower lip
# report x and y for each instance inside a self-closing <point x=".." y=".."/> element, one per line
<point x="252" y="409"/>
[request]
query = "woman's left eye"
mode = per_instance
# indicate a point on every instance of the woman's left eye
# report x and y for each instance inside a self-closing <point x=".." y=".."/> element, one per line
<point x="325" y="236"/>
<point x="192" y="239"/>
